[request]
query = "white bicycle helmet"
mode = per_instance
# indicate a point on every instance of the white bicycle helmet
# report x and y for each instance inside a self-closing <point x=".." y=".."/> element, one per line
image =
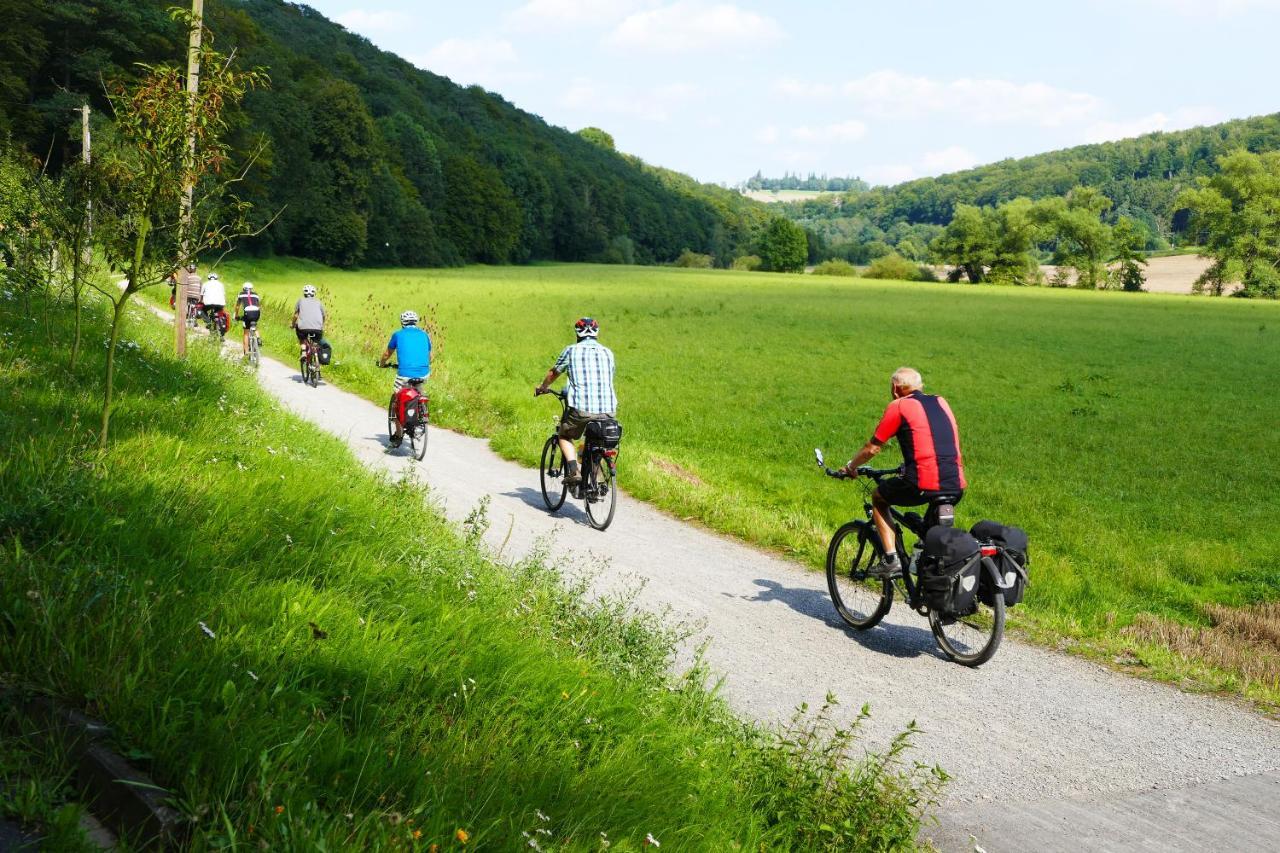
<point x="309" y="290"/>
<point x="213" y="276"/>
<point x="247" y="287"/>
<point x="409" y="318"/>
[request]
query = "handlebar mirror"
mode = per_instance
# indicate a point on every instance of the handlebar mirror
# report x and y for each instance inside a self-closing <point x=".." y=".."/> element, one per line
<point x="817" y="452"/>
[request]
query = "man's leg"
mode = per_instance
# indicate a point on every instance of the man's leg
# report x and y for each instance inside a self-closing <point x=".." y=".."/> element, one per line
<point x="880" y="515"/>
<point x="244" y="341"/>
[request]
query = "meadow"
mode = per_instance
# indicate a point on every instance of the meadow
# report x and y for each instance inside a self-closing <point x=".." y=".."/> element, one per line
<point x="1133" y="435"/>
<point x="310" y="659"/>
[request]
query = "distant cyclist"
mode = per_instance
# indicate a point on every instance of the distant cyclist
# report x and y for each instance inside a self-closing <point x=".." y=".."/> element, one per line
<point x="191" y="286"/>
<point x="412" y="346"/>
<point x="248" y="311"/>
<point x="590" y="366"/>
<point x="308" y="317"/>
<point x="930" y="443"/>
<point x="214" y="296"/>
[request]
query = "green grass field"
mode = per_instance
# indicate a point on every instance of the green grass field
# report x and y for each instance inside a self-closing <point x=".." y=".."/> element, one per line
<point x="311" y="660"/>
<point x="1133" y="435"/>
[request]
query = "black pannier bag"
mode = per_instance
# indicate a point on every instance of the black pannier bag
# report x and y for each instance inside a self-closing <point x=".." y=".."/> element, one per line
<point x="326" y="352"/>
<point x="604" y="432"/>
<point x="949" y="569"/>
<point x="1011" y="562"/>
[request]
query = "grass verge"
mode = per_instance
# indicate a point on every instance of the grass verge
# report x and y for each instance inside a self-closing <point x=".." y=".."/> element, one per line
<point x="312" y="660"/>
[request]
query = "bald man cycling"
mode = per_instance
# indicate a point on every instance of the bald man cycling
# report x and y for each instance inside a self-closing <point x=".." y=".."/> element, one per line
<point x="932" y="465"/>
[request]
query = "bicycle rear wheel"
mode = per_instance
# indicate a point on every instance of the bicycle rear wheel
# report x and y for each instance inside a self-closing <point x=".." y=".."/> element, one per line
<point x="601" y="495"/>
<point x="254" y="355"/>
<point x="861" y="601"/>
<point x="551" y="472"/>
<point x="418" y="437"/>
<point x="970" y="640"/>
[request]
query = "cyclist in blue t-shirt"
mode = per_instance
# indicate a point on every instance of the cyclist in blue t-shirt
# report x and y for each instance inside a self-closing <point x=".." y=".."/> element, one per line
<point x="413" y="346"/>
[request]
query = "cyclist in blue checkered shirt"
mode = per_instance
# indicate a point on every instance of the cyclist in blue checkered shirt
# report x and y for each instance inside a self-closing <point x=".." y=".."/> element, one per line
<point x="590" y="366"/>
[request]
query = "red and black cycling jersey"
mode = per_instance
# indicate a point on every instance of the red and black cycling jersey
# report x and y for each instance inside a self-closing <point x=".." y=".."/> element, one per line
<point x="926" y="432"/>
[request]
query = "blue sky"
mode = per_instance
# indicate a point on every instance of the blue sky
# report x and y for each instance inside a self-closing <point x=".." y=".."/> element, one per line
<point x="888" y="91"/>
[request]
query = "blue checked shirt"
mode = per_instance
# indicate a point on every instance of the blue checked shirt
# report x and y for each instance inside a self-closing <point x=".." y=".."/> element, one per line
<point x="590" y="367"/>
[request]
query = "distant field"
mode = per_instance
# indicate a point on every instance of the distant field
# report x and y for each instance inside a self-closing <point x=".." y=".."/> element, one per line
<point x="785" y="195"/>
<point x="1134" y="435"/>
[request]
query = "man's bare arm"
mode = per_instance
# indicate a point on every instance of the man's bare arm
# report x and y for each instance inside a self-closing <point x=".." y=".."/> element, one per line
<point x="551" y="376"/>
<point x="868" y="450"/>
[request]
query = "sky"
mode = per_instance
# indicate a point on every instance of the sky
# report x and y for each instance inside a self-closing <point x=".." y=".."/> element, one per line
<point x="886" y="91"/>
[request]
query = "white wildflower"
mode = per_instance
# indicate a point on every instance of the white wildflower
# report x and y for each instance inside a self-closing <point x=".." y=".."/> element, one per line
<point x="650" y="840"/>
<point x="208" y="632"/>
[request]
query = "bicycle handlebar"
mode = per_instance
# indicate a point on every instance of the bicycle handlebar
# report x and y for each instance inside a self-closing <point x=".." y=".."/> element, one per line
<point x="559" y="395"/>
<point x="876" y="474"/>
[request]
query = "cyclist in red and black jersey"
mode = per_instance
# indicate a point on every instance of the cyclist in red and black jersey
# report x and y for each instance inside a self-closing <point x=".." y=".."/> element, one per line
<point x="930" y="442"/>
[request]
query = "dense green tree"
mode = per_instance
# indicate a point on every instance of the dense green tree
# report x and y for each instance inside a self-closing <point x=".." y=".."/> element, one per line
<point x="1236" y="213"/>
<point x="482" y="218"/>
<point x="1082" y="241"/>
<point x="596" y="136"/>
<point x="784" y="246"/>
<point x="1128" y="239"/>
<point x="967" y="243"/>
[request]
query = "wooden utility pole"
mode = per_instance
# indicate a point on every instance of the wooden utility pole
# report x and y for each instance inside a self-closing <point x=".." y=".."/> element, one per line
<point x="188" y="197"/>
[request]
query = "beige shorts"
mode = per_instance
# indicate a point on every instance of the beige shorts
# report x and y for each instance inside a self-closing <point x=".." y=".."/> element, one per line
<point x="574" y="423"/>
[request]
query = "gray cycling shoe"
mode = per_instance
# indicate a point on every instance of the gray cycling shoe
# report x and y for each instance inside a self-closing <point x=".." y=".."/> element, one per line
<point x="886" y="568"/>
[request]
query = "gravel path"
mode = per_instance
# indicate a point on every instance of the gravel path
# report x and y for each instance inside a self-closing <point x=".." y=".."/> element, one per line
<point x="1031" y="726"/>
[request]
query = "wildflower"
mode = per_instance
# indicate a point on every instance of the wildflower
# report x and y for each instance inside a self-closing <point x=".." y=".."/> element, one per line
<point x="251" y="675"/>
<point x="650" y="840"/>
<point x="540" y="815"/>
<point x="208" y="632"/>
<point x="434" y="848"/>
<point x="288" y="538"/>
<point x="463" y="836"/>
<point x="564" y="694"/>
<point x="417" y="833"/>
<point x="279" y="809"/>
<point x="33" y="594"/>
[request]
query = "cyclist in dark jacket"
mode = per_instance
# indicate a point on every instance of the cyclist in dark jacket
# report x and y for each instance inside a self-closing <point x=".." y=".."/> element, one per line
<point x="933" y="466"/>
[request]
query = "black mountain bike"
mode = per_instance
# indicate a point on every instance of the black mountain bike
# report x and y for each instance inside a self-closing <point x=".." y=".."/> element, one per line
<point x="863" y="599"/>
<point x="309" y="361"/>
<point x="598" y="487"/>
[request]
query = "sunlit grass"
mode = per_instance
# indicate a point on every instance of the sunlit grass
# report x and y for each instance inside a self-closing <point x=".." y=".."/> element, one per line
<point x="1133" y="435"/>
<point x="309" y="659"/>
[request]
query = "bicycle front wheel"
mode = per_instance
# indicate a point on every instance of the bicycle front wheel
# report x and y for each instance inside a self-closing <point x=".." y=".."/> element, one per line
<point x="551" y="472"/>
<point x="970" y="640"/>
<point x="862" y="601"/>
<point x="602" y="495"/>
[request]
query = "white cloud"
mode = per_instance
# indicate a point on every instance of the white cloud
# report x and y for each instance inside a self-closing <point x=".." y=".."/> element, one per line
<point x="688" y="25"/>
<point x="792" y="87"/>
<point x="889" y="174"/>
<point x="487" y="62"/>
<point x="1107" y="131"/>
<point x="1199" y="8"/>
<point x="844" y="131"/>
<point x="557" y="15"/>
<point x="953" y="158"/>
<point x="654" y="104"/>
<point x="767" y="135"/>
<point x="892" y="94"/>
<point x="373" y="20"/>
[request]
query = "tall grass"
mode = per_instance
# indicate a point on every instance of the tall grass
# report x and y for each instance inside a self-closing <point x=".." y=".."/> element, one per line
<point x="312" y="660"/>
<point x="1131" y="434"/>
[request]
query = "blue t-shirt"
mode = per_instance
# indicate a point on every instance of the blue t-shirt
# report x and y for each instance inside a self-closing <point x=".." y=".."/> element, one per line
<point x="414" y="349"/>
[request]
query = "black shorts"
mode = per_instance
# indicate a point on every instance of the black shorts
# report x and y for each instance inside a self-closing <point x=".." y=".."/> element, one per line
<point x="303" y="334"/>
<point x="250" y="320"/>
<point x="898" y="491"/>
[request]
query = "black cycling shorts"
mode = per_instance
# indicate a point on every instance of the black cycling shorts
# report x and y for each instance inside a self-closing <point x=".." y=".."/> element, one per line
<point x="250" y="319"/>
<point x="303" y="334"/>
<point x="898" y="491"/>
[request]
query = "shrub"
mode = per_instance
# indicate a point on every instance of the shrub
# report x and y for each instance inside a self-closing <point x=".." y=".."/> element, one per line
<point x="895" y="267"/>
<point x="693" y="260"/>
<point x="925" y="273"/>
<point x="835" y="266"/>
<point x="750" y="263"/>
<point x="621" y="250"/>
